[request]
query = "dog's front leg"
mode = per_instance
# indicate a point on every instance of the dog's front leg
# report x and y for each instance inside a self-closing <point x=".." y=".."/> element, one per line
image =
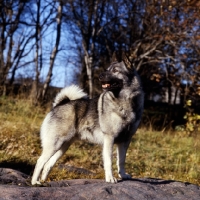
<point x="107" y="158"/>
<point x="121" y="157"/>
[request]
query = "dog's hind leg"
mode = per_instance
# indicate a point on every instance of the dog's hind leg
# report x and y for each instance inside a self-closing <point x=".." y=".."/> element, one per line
<point x="50" y="148"/>
<point x="46" y="155"/>
<point x="51" y="162"/>
<point x="121" y="157"/>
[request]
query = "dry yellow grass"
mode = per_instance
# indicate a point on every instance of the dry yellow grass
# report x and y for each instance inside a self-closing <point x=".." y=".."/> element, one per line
<point x="151" y="154"/>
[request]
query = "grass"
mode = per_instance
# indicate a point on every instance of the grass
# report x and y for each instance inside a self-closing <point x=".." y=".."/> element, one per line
<point x="167" y="155"/>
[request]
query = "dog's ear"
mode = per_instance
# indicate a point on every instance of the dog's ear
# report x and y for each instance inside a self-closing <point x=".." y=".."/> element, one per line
<point x="126" y="60"/>
<point x="114" y="58"/>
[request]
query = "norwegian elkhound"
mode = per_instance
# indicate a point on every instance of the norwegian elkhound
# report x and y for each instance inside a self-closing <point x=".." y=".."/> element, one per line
<point x="112" y="118"/>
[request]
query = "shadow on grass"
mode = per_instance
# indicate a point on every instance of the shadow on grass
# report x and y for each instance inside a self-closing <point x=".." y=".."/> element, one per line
<point x="24" y="167"/>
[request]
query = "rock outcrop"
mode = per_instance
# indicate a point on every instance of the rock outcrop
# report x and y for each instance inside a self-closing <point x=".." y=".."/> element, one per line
<point x="15" y="185"/>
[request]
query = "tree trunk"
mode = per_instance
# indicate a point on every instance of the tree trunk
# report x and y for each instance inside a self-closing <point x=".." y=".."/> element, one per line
<point x="54" y="52"/>
<point x="88" y="63"/>
<point x="34" y="90"/>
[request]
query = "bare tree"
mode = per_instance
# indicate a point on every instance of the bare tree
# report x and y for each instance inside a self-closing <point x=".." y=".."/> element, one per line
<point x="55" y="50"/>
<point x="38" y="41"/>
<point x="101" y="27"/>
<point x="41" y="19"/>
<point x="85" y="16"/>
<point x="14" y="39"/>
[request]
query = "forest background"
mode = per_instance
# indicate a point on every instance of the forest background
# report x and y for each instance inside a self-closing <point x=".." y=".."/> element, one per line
<point x="56" y="43"/>
<point x="46" y="45"/>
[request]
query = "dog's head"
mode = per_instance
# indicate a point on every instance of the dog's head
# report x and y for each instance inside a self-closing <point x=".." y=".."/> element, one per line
<point x="116" y="76"/>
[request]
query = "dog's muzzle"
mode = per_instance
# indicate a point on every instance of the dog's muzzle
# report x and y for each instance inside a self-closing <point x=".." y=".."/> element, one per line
<point x="110" y="83"/>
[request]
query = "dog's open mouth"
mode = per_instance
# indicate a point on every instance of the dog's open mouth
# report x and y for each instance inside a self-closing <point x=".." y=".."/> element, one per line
<point x="106" y="85"/>
<point x="110" y="85"/>
<point x="108" y="82"/>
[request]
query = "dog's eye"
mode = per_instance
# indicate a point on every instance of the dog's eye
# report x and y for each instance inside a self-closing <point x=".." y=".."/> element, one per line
<point x="115" y="70"/>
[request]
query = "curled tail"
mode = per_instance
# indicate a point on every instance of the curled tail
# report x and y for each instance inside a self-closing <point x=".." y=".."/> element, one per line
<point x="72" y="92"/>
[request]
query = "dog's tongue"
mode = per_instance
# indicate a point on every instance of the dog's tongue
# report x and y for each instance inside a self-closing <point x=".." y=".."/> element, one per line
<point x="105" y="85"/>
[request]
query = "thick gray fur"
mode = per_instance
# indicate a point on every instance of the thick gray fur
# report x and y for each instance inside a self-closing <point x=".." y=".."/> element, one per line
<point x="112" y="118"/>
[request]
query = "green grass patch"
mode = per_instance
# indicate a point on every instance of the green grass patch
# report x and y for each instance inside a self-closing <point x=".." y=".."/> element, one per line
<point x="152" y="154"/>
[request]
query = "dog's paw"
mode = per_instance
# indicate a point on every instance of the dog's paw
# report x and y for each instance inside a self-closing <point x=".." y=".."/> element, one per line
<point x="111" y="179"/>
<point x="35" y="183"/>
<point x="125" y="176"/>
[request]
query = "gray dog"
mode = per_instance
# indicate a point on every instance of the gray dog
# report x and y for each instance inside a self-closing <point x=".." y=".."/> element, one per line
<point x="110" y="119"/>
